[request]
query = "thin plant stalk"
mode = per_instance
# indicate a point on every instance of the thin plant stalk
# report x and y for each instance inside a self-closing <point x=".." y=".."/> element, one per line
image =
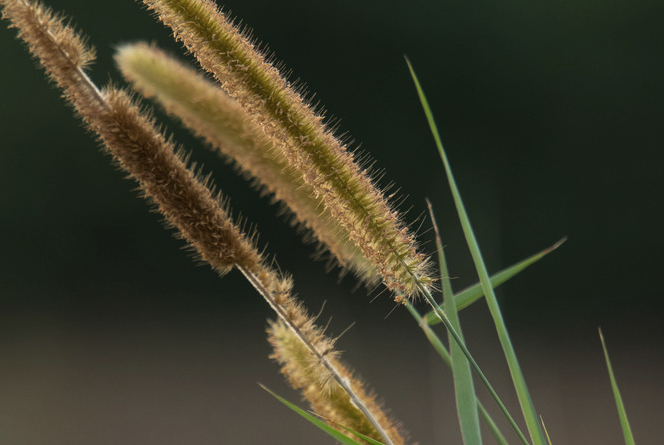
<point x="466" y="400"/>
<point x="183" y="198"/>
<point x="448" y="324"/>
<point x="518" y="380"/>
<point x="444" y="354"/>
<point x="344" y="383"/>
<point x="620" y="406"/>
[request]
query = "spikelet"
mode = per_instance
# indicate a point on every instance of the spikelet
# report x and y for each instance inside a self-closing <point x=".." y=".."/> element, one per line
<point x="58" y="48"/>
<point x="130" y="136"/>
<point x="305" y="372"/>
<point x="185" y="201"/>
<point x="224" y="124"/>
<point x="303" y="140"/>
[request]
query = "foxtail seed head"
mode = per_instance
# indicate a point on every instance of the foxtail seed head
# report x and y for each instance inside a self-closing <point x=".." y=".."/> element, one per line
<point x="184" y="199"/>
<point x="187" y="203"/>
<point x="303" y="141"/>
<point x="224" y="124"/>
<point x="305" y="372"/>
<point x="131" y="137"/>
<point x="60" y="50"/>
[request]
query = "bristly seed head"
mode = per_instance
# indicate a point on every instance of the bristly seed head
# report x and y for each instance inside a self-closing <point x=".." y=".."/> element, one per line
<point x="213" y="115"/>
<point x="188" y="203"/>
<point x="131" y="137"/>
<point x="305" y="372"/>
<point x="301" y="139"/>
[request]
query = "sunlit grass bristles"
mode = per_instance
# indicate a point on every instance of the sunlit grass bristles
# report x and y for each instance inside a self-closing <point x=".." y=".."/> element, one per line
<point x="55" y="43"/>
<point x="277" y="139"/>
<point x="131" y="137"/>
<point x="225" y="125"/>
<point x="327" y="399"/>
<point x="60" y="50"/>
<point x="183" y="198"/>
<point x="298" y="132"/>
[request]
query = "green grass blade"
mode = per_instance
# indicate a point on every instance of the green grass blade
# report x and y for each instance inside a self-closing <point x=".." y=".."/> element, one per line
<point x="430" y="334"/>
<point x="445" y="355"/>
<point x="360" y="435"/>
<point x="340" y="437"/>
<point x="471" y="294"/>
<point x="523" y="395"/>
<point x="624" y="423"/>
<point x="466" y="399"/>
<point x="546" y="433"/>
<point x="473" y="363"/>
<point x="497" y="434"/>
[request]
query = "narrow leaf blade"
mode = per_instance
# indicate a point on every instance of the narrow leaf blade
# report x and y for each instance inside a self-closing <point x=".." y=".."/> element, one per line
<point x="466" y="399"/>
<point x="622" y="413"/>
<point x="340" y="437"/>
<point x="360" y="435"/>
<point x="518" y="380"/>
<point x="445" y="355"/>
<point x="471" y="294"/>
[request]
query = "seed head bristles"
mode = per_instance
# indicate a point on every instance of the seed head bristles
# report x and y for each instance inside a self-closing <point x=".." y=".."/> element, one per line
<point x="224" y="124"/>
<point x="58" y="47"/>
<point x="320" y="351"/>
<point x="327" y="399"/>
<point x="308" y="146"/>
<point x="130" y="136"/>
<point x="185" y="200"/>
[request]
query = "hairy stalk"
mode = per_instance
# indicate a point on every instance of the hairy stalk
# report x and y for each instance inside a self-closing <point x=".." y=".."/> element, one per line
<point x="130" y="136"/>
<point x="185" y="201"/>
<point x="324" y="162"/>
<point x="224" y="124"/>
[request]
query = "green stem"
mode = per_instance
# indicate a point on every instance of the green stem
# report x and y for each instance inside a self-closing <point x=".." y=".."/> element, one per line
<point x="446" y="321"/>
<point x="526" y="403"/>
<point x="445" y="355"/>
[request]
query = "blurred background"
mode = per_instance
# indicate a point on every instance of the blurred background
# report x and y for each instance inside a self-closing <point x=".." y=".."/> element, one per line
<point x="551" y="113"/>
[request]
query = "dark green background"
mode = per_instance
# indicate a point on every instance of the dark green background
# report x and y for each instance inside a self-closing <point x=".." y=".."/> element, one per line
<point x="551" y="113"/>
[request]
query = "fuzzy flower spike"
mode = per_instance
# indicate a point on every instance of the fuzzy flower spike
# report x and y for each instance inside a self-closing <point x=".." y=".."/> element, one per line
<point x="188" y="204"/>
<point x="130" y="136"/>
<point x="301" y="139"/>
<point x="210" y="113"/>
